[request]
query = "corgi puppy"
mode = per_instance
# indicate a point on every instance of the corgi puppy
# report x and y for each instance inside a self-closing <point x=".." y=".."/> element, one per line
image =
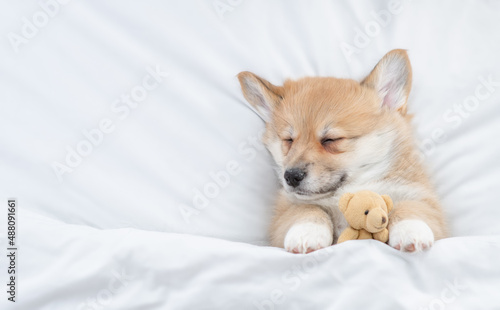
<point x="331" y="136"/>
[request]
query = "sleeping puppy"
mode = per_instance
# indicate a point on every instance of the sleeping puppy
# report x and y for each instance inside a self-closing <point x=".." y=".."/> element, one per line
<point x="330" y="136"/>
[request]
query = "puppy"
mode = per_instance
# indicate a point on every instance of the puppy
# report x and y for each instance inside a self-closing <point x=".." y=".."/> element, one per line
<point x="330" y="136"/>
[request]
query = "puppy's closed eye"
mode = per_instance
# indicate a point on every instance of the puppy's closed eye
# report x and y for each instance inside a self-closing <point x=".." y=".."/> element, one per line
<point x="287" y="145"/>
<point x="331" y="144"/>
<point x="328" y="140"/>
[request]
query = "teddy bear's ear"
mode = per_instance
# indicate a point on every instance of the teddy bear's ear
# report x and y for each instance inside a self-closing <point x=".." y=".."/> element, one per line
<point x="388" y="202"/>
<point x="344" y="201"/>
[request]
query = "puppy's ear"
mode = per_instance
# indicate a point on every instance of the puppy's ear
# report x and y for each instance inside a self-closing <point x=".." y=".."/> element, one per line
<point x="388" y="202"/>
<point x="344" y="201"/>
<point x="391" y="78"/>
<point x="261" y="94"/>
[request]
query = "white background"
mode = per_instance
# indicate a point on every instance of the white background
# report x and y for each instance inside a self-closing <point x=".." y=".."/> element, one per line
<point x="124" y="205"/>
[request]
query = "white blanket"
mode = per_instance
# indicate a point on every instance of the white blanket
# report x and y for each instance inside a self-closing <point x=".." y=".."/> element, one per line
<point x="141" y="181"/>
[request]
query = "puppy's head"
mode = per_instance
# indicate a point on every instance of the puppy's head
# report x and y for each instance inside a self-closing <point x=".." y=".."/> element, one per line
<point x="322" y="132"/>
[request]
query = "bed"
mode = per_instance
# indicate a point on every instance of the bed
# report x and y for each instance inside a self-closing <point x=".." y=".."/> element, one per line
<point x="139" y="175"/>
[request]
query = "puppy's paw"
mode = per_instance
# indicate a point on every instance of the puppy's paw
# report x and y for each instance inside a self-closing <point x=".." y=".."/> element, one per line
<point x="411" y="236"/>
<point x="304" y="238"/>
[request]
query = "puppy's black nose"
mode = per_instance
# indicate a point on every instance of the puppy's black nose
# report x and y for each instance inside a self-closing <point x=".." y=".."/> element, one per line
<point x="384" y="220"/>
<point x="294" y="176"/>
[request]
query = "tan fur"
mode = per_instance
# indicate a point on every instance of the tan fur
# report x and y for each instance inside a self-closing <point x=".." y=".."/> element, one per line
<point x="314" y="109"/>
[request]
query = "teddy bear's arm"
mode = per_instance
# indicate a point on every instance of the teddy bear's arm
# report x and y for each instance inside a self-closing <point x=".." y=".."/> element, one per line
<point x="382" y="235"/>
<point x="348" y="234"/>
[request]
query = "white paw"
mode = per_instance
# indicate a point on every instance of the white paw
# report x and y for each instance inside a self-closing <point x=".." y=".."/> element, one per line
<point x="307" y="237"/>
<point x="411" y="236"/>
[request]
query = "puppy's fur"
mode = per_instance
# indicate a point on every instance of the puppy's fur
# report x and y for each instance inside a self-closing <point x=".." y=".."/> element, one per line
<point x="330" y="136"/>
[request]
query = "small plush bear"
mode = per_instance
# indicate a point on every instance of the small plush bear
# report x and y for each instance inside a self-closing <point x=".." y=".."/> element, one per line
<point x="367" y="214"/>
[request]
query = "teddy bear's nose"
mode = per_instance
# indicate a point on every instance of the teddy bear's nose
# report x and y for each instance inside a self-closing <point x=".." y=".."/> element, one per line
<point x="384" y="220"/>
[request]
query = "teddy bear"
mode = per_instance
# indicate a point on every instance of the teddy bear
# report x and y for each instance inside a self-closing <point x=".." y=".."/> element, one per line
<point x="367" y="214"/>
